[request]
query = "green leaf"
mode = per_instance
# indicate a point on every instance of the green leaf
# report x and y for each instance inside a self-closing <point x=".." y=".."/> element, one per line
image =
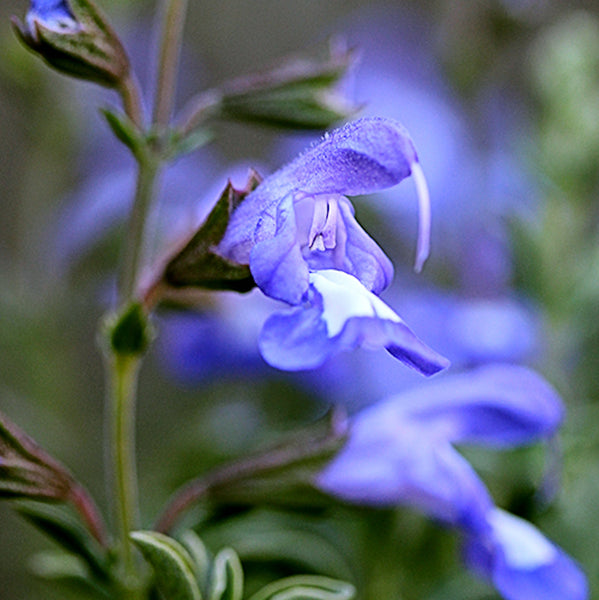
<point x="69" y="570"/>
<point x="306" y="587"/>
<point x="196" y="264"/>
<point x="63" y="528"/>
<point x="200" y="556"/>
<point x="173" y="566"/>
<point x="125" y="130"/>
<point x="226" y="581"/>
<point x="267" y="537"/>
<point x="178" y="144"/>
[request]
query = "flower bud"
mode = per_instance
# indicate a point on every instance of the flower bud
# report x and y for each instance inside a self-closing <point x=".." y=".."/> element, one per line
<point x="299" y="93"/>
<point x="75" y="38"/>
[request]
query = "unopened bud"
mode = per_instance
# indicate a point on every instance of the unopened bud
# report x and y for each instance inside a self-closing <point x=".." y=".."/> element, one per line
<point x="299" y="93"/>
<point x="75" y="38"/>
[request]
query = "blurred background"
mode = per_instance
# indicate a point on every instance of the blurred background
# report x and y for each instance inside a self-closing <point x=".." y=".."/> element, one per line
<point x="501" y="100"/>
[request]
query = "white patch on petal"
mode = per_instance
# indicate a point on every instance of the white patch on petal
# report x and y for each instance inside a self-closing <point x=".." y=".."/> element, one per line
<point x="524" y="545"/>
<point x="344" y="297"/>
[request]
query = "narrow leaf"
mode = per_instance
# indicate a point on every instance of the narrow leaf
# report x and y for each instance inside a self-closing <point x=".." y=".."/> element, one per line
<point x="227" y="576"/>
<point x="172" y="564"/>
<point x="64" y="529"/>
<point x="125" y="130"/>
<point x="68" y="569"/>
<point x="200" y="556"/>
<point x="306" y="587"/>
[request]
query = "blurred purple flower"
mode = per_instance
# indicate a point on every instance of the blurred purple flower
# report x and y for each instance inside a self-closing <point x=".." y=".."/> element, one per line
<point x="523" y="564"/>
<point x="401" y="452"/>
<point x="410" y="437"/>
<point x="299" y="219"/>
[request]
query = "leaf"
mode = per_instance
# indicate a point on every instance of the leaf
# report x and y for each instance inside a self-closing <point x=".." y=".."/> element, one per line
<point x="125" y="130"/>
<point x="200" y="556"/>
<point x="179" y="145"/>
<point x="306" y="587"/>
<point x="173" y="566"/>
<point x="226" y="582"/>
<point x="64" y="529"/>
<point x="68" y="569"/>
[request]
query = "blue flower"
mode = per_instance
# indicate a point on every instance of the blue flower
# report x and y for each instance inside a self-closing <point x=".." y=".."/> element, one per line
<point x="401" y="452"/>
<point x="54" y="14"/>
<point x="298" y="234"/>
<point x="339" y="313"/>
<point x="521" y="563"/>
<point x="299" y="220"/>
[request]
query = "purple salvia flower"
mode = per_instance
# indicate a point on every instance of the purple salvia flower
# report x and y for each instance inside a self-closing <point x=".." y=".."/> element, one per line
<point x="339" y="313"/>
<point x="410" y="438"/>
<point x="298" y="220"/>
<point x="523" y="564"/>
<point x="400" y="452"/>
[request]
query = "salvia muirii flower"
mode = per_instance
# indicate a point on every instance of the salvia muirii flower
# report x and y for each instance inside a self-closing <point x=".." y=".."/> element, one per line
<point x="401" y="452"/>
<point x="299" y="219"/>
<point x="298" y="234"/>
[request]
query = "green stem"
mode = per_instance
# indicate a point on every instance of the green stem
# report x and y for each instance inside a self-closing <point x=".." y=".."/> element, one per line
<point x="174" y="20"/>
<point x="130" y="96"/>
<point x="123" y="388"/>
<point x="148" y="171"/>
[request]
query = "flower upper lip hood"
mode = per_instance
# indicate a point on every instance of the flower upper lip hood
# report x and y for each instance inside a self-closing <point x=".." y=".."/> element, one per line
<point x="297" y="219"/>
